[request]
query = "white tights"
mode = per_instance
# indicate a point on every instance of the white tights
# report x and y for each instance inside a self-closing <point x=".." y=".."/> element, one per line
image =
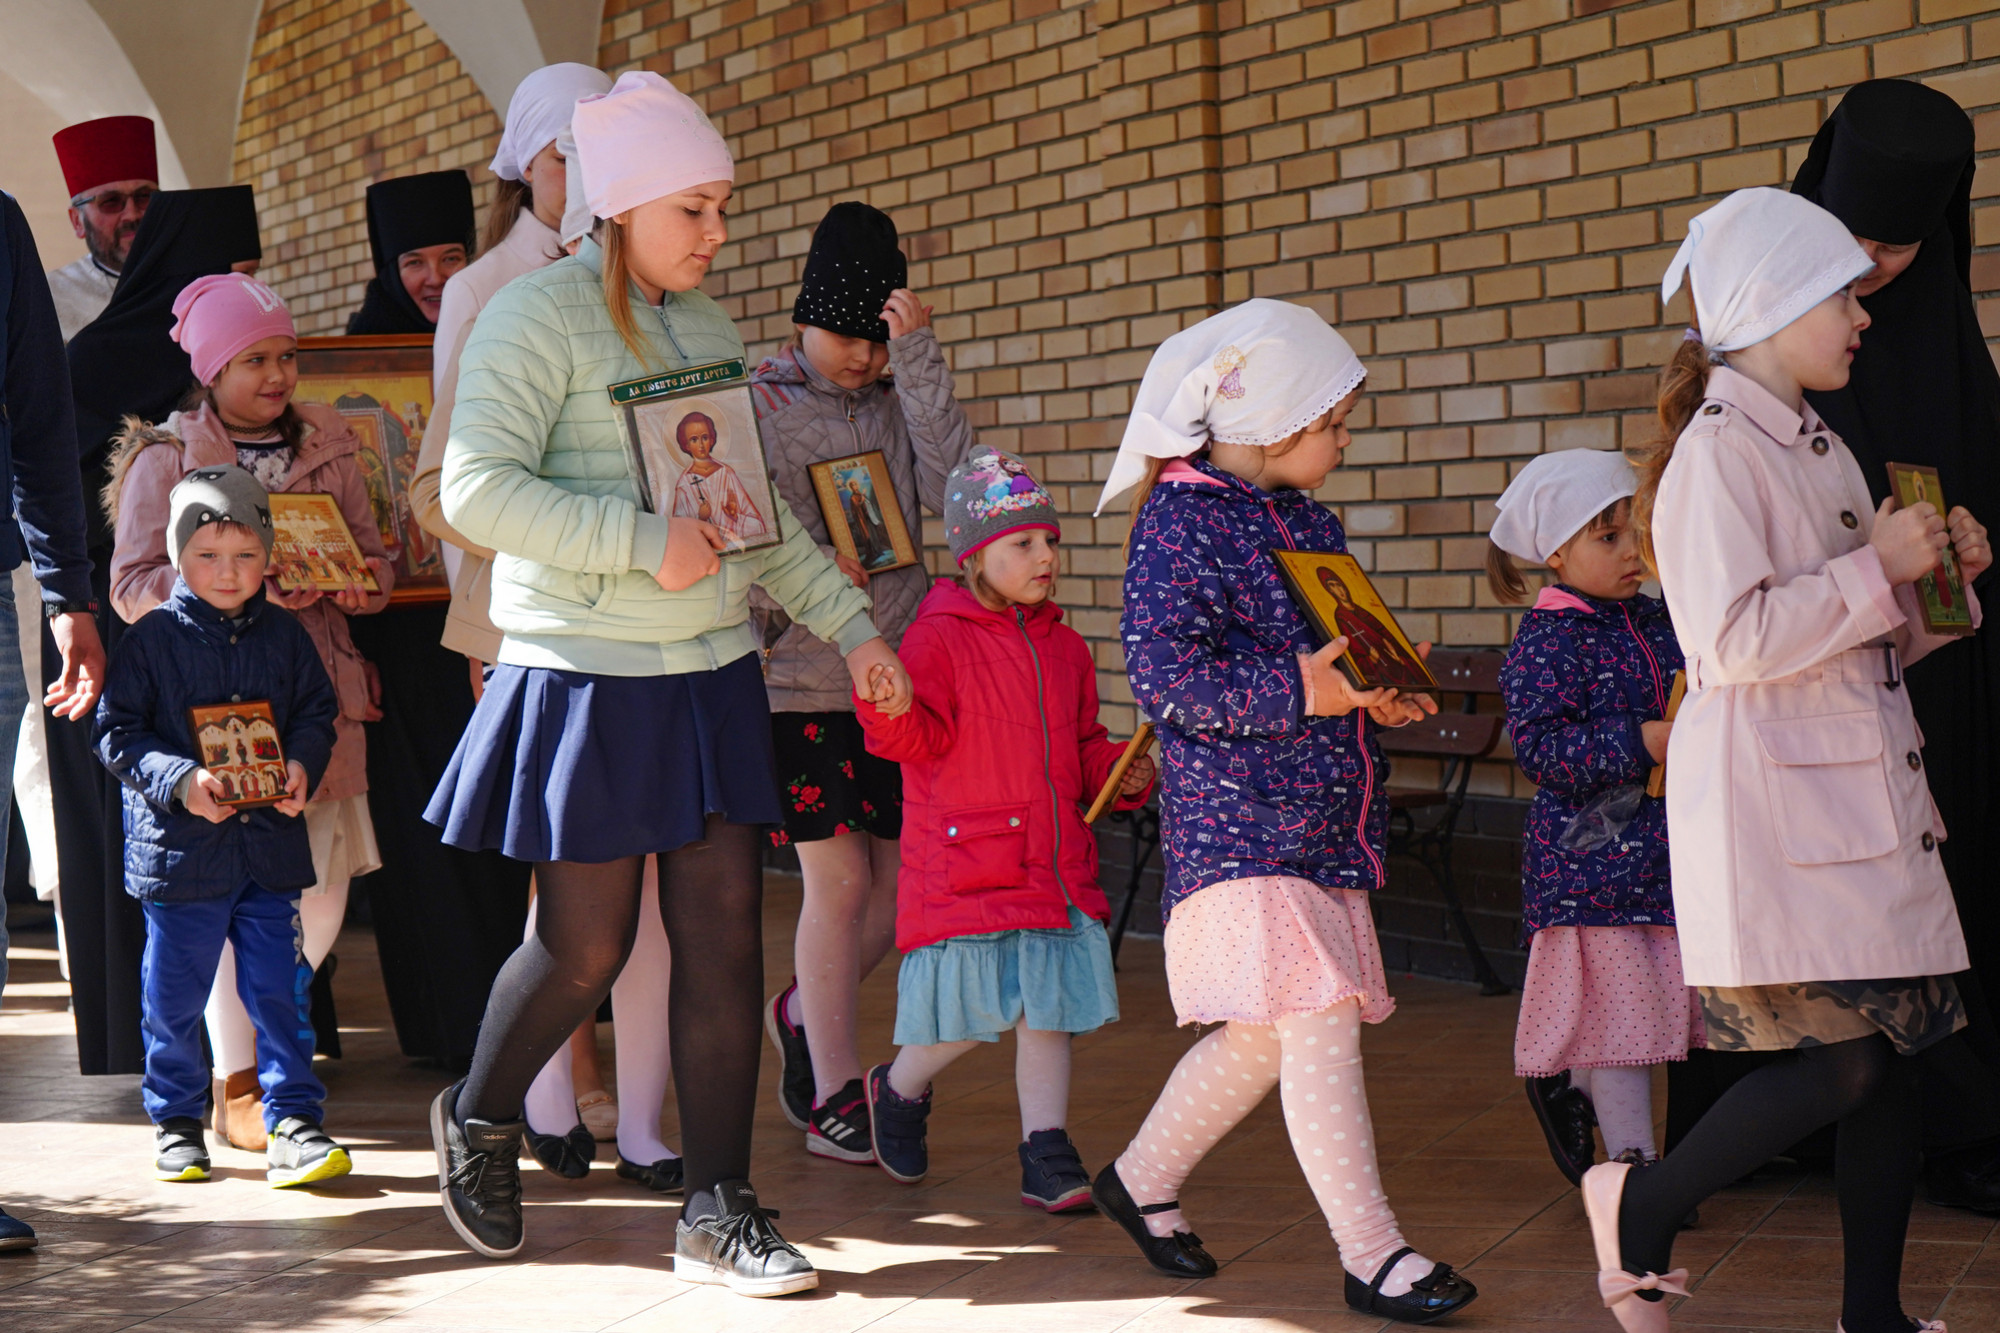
<point x="1041" y="1074"/>
<point x="231" y="1036"/>
<point x="1315" y="1059"/>
<point x="846" y="926"/>
<point x="639" y="1042"/>
<point x="1622" y="1097"/>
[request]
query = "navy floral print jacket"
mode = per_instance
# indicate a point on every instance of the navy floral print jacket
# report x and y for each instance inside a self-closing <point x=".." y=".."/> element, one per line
<point x="1581" y="676"/>
<point x="1250" y="785"/>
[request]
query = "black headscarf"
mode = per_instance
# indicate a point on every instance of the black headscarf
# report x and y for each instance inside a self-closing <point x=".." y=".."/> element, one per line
<point x="125" y="362"/>
<point x="405" y="214"/>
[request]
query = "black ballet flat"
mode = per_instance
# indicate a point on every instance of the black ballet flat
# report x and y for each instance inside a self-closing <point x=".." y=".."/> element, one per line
<point x="1566" y="1119"/>
<point x="665" y="1176"/>
<point x="1179" y="1255"/>
<point x="1429" y="1299"/>
<point x="566" y="1155"/>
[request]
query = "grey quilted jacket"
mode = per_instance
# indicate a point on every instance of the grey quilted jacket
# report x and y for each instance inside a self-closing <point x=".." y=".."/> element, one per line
<point x="805" y="418"/>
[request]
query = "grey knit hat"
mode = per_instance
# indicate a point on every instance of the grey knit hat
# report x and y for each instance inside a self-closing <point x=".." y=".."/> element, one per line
<point x="990" y="495"/>
<point x="216" y="495"/>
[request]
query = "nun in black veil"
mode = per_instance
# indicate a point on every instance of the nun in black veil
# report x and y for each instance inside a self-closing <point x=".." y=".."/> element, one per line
<point x="420" y="232"/>
<point x="1894" y="162"/>
<point x="124" y="363"/>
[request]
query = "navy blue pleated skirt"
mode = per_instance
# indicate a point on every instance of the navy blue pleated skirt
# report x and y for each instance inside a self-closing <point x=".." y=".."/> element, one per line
<point x="569" y="766"/>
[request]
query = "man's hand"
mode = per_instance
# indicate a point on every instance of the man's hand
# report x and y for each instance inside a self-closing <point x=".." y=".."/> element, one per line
<point x="905" y="314"/>
<point x="1138" y="777"/>
<point x="204" y="797"/>
<point x="74" y="695"/>
<point x="852" y="568"/>
<point x="295" y="789"/>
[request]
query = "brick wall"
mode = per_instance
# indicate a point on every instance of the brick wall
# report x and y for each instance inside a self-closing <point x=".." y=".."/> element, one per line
<point x="341" y="93"/>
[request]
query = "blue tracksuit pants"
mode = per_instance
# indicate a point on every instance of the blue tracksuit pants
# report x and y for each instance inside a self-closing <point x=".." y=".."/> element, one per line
<point x="183" y="948"/>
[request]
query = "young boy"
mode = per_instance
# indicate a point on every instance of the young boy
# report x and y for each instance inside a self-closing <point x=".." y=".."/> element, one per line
<point x="206" y="871"/>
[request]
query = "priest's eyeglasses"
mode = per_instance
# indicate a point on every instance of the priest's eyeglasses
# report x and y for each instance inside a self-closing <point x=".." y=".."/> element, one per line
<point x="112" y="202"/>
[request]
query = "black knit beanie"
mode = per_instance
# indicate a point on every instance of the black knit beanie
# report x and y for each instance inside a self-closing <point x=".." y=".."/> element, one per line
<point x="851" y="269"/>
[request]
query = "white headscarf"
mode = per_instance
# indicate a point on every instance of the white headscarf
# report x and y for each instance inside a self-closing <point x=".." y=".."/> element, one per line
<point x="644" y="140"/>
<point x="539" y="111"/>
<point x="1760" y="259"/>
<point x="577" y="218"/>
<point x="1555" y="497"/>
<point x="1254" y="374"/>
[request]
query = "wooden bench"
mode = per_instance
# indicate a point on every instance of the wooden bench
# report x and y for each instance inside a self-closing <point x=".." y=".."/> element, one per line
<point x="1459" y="740"/>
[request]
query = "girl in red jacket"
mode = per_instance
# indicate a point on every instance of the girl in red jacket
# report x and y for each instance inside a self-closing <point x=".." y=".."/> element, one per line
<point x="998" y="913"/>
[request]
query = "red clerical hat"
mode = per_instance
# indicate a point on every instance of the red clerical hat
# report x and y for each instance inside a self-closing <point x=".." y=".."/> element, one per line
<point x="116" y="148"/>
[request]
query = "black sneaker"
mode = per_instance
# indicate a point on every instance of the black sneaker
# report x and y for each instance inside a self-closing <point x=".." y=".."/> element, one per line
<point x="1566" y="1120"/>
<point x="566" y="1155"/>
<point x="738" y="1248"/>
<point x="1052" y="1175"/>
<point x="479" y="1177"/>
<point x="180" y="1152"/>
<point x="666" y="1176"/>
<point x="840" y="1126"/>
<point x="15" y="1234"/>
<point x="795" y="1063"/>
<point x="301" y="1153"/>
<point x="897" y="1128"/>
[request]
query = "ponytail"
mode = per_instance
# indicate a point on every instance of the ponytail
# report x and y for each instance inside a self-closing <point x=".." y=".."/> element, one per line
<point x="1683" y="385"/>
<point x="617" y="279"/>
<point x="1140" y="494"/>
<point x="1503" y="576"/>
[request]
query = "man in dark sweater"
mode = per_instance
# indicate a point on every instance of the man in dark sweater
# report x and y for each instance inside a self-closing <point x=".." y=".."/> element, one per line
<point x="38" y="454"/>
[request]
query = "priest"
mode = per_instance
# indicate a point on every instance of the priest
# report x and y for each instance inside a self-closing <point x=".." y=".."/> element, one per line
<point x="112" y="169"/>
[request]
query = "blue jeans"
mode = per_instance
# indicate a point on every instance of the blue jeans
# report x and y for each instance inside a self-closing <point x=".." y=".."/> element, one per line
<point x="183" y="947"/>
<point x="13" y="703"/>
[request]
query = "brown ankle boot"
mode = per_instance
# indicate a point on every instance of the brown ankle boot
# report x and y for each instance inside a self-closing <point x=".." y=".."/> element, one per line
<point x="239" y="1111"/>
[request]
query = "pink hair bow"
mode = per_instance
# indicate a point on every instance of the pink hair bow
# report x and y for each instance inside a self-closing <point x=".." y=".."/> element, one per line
<point x="1616" y="1284"/>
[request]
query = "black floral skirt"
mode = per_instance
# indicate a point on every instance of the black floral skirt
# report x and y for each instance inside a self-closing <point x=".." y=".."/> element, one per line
<point x="828" y="782"/>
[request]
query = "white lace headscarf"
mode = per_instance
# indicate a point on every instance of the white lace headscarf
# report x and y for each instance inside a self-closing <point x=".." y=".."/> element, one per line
<point x="1758" y="260"/>
<point x="1555" y="497"/>
<point x="1255" y="374"/>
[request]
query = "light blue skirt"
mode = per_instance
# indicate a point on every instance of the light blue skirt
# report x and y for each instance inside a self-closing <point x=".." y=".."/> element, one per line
<point x="975" y="987"/>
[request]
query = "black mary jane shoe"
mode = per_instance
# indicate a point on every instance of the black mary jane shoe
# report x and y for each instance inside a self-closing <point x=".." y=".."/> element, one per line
<point x="1429" y="1298"/>
<point x="566" y="1155"/>
<point x="1178" y="1255"/>
<point x="665" y="1176"/>
<point x="1566" y="1119"/>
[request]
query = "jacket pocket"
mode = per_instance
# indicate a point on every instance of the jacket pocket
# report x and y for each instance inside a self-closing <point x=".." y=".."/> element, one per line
<point x="1829" y="797"/>
<point x="985" y="847"/>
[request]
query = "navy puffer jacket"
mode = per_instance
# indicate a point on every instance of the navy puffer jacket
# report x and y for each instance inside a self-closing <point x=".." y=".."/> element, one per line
<point x="185" y="654"/>
<point x="1580" y="678"/>
<point x="1251" y="785"/>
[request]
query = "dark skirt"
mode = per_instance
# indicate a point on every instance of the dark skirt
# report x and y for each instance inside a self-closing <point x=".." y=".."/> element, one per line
<point x="569" y="766"/>
<point x="445" y="919"/>
<point x="831" y="784"/>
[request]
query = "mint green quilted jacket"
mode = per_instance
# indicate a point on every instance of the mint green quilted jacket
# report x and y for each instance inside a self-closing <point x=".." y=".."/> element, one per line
<point x="537" y="468"/>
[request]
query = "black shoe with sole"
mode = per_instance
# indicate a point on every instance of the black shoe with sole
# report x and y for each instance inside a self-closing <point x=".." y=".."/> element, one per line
<point x="479" y="1177"/>
<point x="898" y="1128"/>
<point x="1052" y="1175"/>
<point x="566" y="1155"/>
<point x="1967" y="1178"/>
<point x="666" y="1176"/>
<point x="1441" y="1292"/>
<point x="1178" y="1255"/>
<point x="795" y="1062"/>
<point x="1565" y="1117"/>
<point x="738" y="1248"/>
<point x="14" y="1233"/>
<point x="841" y="1127"/>
<point x="179" y="1151"/>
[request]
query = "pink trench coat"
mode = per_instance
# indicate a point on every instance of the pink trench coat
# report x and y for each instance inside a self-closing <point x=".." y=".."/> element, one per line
<point x="1803" y="832"/>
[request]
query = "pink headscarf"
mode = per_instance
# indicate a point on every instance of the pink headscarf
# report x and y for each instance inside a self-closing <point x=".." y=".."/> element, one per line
<point x="643" y="140"/>
<point x="220" y="315"/>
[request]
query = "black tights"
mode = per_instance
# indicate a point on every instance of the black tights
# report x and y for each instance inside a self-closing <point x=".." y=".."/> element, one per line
<point x="711" y="902"/>
<point x="1871" y="1092"/>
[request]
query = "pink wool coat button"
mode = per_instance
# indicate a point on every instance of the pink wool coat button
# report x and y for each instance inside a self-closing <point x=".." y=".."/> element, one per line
<point x="1802" y="836"/>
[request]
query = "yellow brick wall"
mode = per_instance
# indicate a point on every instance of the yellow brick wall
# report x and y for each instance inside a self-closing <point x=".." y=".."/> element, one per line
<point x="341" y="93"/>
<point x="1481" y="196"/>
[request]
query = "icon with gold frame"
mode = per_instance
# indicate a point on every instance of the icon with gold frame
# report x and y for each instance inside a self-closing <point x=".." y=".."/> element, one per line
<point x="1334" y="594"/>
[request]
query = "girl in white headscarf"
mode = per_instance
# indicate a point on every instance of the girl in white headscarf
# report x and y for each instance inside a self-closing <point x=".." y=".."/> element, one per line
<point x="1273" y="815"/>
<point x="1814" y="916"/>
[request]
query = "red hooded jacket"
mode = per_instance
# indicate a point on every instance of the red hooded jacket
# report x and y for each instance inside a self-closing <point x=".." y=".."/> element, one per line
<point x="1001" y="753"/>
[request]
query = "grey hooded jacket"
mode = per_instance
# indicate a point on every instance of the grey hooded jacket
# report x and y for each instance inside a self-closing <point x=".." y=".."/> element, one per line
<point x="805" y="418"/>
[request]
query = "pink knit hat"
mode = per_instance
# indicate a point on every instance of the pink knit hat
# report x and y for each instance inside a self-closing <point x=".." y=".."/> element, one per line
<point x="222" y="314"/>
<point x="642" y="140"/>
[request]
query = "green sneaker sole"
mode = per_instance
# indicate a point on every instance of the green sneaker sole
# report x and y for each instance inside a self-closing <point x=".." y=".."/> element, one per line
<point x="185" y="1173"/>
<point x="335" y="1163"/>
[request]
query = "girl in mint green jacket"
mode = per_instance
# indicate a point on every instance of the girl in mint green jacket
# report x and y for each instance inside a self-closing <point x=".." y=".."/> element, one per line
<point x="626" y="716"/>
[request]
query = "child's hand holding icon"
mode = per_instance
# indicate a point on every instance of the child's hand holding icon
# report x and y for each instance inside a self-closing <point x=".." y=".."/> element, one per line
<point x="1968" y="538"/>
<point x="1138" y="777"/>
<point x="295" y="789"/>
<point x="204" y="797"/>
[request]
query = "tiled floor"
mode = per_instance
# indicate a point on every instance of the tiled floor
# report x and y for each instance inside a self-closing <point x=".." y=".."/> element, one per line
<point x="1463" y="1161"/>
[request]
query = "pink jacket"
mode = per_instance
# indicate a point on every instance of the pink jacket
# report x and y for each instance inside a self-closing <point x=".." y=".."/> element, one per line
<point x="1804" y="836"/>
<point x="145" y="466"/>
